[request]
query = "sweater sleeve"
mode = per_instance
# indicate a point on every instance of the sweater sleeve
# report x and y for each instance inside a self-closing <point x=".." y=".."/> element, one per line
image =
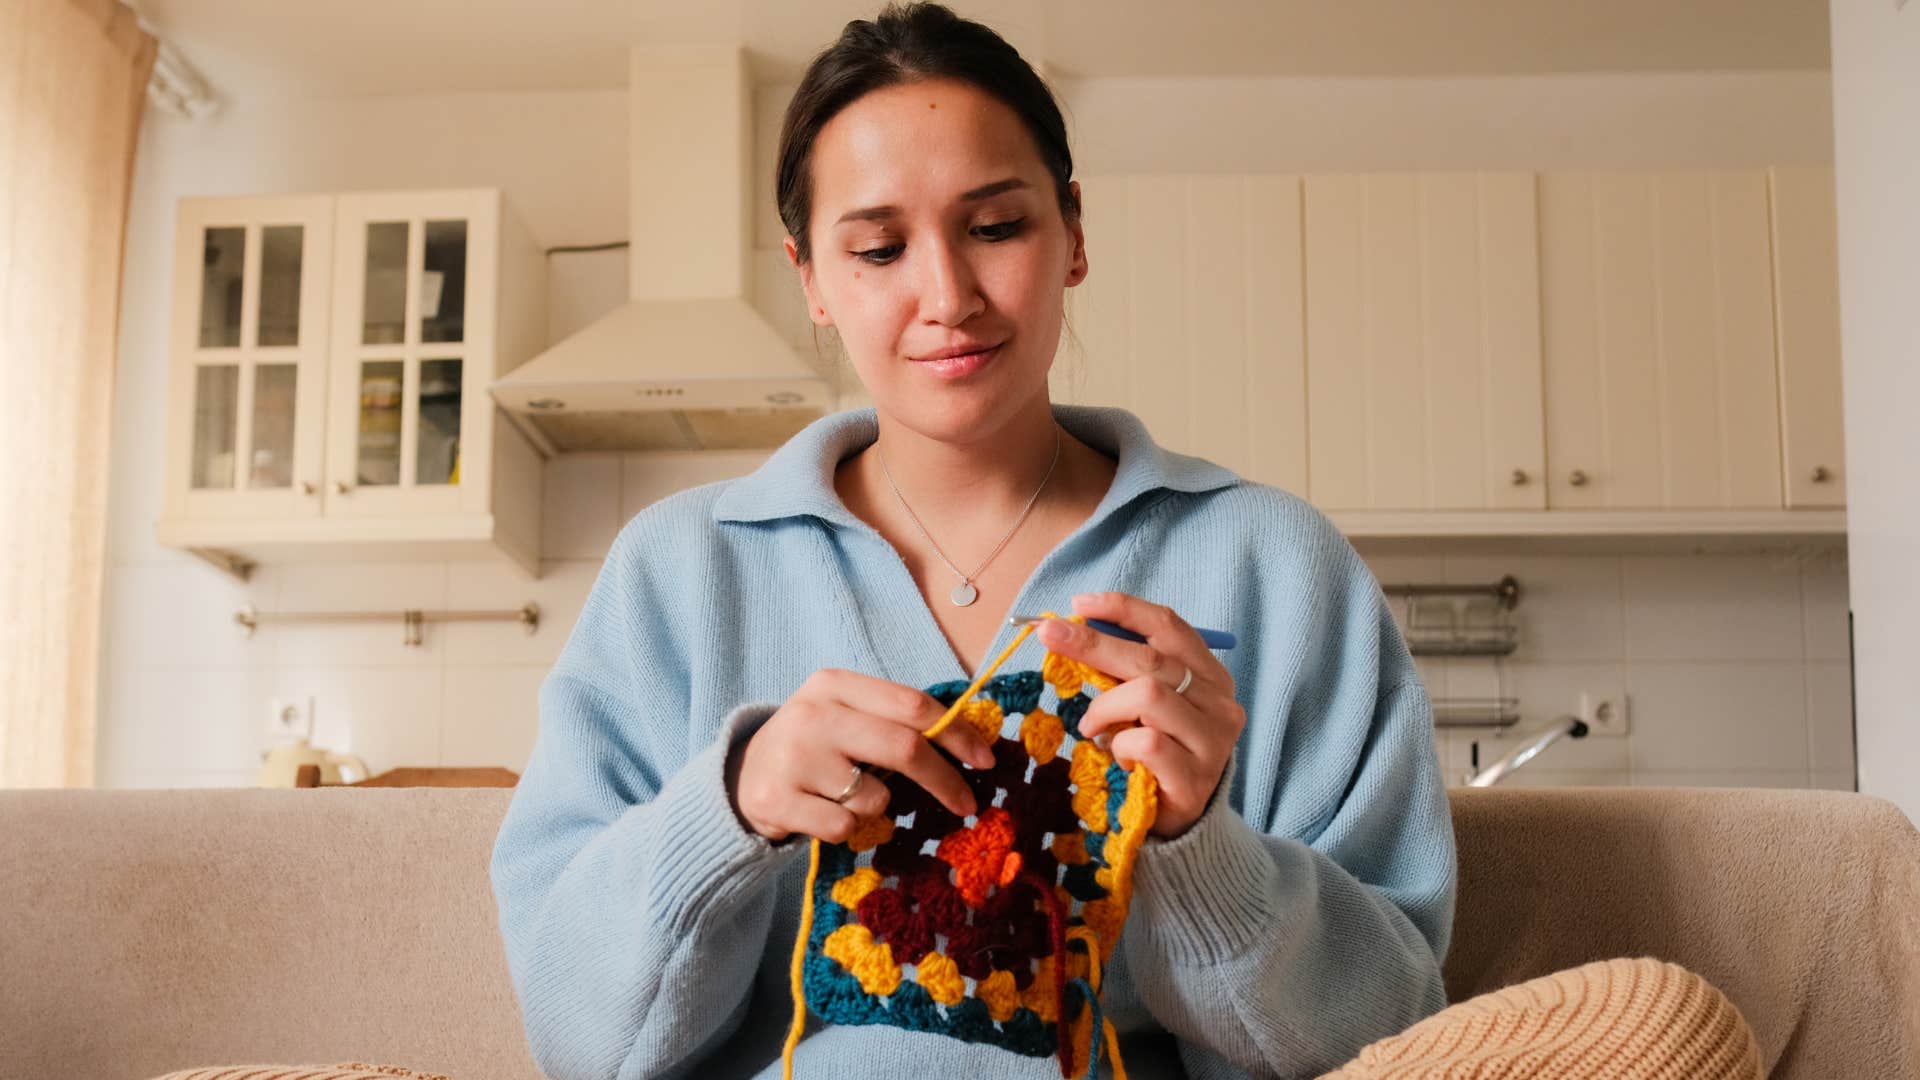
<point x="634" y="905"/>
<point x="1284" y="950"/>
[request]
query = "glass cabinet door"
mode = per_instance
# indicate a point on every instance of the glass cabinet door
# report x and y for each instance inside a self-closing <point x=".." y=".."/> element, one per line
<point x="249" y="356"/>
<point x="401" y="352"/>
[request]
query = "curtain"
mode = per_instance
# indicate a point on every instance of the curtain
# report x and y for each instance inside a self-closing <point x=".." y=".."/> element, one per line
<point x="73" y="76"/>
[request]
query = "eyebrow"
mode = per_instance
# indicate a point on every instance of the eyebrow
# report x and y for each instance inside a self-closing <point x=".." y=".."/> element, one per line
<point x="985" y="191"/>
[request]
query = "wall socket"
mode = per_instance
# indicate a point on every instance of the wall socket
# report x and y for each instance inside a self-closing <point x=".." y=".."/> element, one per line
<point x="1604" y="715"/>
<point x="292" y="718"/>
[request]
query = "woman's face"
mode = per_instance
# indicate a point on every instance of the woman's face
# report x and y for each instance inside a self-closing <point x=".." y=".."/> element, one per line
<point x="935" y="227"/>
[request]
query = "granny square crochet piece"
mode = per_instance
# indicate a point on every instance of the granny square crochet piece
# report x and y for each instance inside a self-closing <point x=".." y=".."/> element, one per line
<point x="994" y="928"/>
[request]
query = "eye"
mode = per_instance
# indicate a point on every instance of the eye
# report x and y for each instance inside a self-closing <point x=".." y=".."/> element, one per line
<point x="1002" y="230"/>
<point x="995" y="233"/>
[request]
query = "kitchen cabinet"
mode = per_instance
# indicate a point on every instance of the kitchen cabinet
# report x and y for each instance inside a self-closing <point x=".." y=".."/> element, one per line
<point x="1806" y="271"/>
<point x="1658" y="327"/>
<point x="330" y="360"/>
<point x="1423" y="342"/>
<point x="1646" y="354"/>
<point x="1191" y="316"/>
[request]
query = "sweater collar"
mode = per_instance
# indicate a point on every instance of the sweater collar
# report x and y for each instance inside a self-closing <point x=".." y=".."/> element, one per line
<point x="797" y="479"/>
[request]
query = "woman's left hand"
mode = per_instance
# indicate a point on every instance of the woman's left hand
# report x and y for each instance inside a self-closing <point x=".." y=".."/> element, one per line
<point x="1186" y="738"/>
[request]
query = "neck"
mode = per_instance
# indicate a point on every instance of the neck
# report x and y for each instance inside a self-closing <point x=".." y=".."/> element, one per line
<point x="997" y="471"/>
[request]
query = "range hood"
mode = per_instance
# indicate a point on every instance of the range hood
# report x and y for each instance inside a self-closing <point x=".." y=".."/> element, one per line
<point x="687" y="362"/>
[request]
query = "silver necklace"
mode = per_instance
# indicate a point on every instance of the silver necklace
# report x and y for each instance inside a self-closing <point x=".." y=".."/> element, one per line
<point x="965" y="593"/>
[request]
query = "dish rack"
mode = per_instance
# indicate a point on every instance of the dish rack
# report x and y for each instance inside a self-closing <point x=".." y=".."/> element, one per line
<point x="1464" y="620"/>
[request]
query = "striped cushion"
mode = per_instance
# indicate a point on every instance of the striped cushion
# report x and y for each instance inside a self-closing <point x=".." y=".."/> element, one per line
<point x="352" y="1070"/>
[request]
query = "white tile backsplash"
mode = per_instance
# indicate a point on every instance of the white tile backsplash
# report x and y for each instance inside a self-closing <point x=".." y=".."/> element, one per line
<point x="1733" y="666"/>
<point x="388" y="716"/>
<point x="1830" y="718"/>
<point x="492" y="715"/>
<point x="1570" y="606"/>
<point x="1823" y="597"/>
<point x="1725" y="607"/>
<point x="496" y="585"/>
<point x="582" y="507"/>
<point x="1722" y="717"/>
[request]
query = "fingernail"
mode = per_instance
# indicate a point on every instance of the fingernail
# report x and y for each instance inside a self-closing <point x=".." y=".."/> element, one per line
<point x="982" y="757"/>
<point x="969" y="807"/>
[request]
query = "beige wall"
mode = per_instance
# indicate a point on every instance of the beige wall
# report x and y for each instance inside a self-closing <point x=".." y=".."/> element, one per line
<point x="1876" y="100"/>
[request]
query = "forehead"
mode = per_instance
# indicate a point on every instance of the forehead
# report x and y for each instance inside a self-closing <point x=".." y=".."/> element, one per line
<point x="918" y="143"/>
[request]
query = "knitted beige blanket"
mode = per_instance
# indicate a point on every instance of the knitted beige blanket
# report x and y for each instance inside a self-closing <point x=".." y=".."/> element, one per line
<point x="1637" y="1019"/>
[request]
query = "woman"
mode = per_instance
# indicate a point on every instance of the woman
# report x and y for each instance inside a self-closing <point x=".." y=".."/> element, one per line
<point x="753" y="646"/>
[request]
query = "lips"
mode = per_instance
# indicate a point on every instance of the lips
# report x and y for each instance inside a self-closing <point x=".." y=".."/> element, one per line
<point x="959" y="366"/>
<point x="965" y="348"/>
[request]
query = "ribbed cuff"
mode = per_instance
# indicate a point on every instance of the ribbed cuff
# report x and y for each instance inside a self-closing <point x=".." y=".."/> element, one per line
<point x="1210" y="893"/>
<point x="704" y="860"/>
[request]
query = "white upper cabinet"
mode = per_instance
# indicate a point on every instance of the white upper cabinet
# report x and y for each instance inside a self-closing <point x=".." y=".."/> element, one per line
<point x="1423" y="342"/>
<point x="1806" y="270"/>
<point x="404" y="436"/>
<point x="1401" y="348"/>
<point x="1191" y="316"/>
<point x="331" y="358"/>
<point x="1657" y="315"/>
<point x="248" y="357"/>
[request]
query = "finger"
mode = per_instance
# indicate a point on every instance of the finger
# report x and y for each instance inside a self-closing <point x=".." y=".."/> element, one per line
<point x="1175" y="768"/>
<point x="1118" y="657"/>
<point x="906" y="706"/>
<point x="1154" y="704"/>
<point x="1160" y="625"/>
<point x="821" y="819"/>
<point x="869" y="798"/>
<point x="905" y="751"/>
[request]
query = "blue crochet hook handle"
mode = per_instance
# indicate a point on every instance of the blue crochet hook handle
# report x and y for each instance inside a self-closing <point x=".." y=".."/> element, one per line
<point x="1215" y="639"/>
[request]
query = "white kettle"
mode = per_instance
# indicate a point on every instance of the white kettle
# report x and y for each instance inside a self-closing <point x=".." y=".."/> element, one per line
<point x="280" y="766"/>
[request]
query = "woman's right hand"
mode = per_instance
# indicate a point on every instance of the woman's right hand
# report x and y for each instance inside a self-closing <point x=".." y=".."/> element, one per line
<point x="791" y="769"/>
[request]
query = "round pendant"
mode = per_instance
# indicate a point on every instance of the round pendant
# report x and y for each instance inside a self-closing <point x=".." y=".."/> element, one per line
<point x="964" y="594"/>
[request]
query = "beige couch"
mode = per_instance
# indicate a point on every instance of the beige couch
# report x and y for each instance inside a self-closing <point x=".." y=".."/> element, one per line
<point x="142" y="932"/>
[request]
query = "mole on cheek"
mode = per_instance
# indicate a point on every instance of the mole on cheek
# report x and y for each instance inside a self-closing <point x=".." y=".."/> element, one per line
<point x="856" y="274"/>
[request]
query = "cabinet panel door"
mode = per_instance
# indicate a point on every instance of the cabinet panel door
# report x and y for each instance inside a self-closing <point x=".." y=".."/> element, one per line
<point x="248" y="353"/>
<point x="409" y="429"/>
<point x="1423" y="346"/>
<point x="1657" y="321"/>
<point x="1190" y="316"/>
<point x="1807" y="318"/>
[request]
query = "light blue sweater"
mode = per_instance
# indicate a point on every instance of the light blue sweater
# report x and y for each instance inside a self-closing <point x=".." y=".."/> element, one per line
<point x="649" y="933"/>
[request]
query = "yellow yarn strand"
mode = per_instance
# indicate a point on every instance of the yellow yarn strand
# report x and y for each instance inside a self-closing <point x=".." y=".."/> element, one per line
<point x="1087" y="937"/>
<point x="800" y="962"/>
<point x="798" y="971"/>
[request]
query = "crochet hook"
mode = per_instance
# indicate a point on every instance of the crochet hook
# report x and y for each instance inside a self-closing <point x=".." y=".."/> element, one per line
<point x="1215" y="639"/>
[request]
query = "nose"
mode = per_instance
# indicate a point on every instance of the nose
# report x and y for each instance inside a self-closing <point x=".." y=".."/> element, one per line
<point x="949" y="291"/>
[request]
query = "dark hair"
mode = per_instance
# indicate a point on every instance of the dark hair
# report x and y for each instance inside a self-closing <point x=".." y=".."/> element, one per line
<point x="905" y="44"/>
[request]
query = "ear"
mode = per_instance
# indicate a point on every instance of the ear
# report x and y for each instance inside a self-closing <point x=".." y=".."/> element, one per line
<point x="1077" y="261"/>
<point x="816" y="309"/>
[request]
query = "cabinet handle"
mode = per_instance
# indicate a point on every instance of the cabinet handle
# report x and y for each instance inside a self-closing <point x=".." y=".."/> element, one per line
<point x="306" y="487"/>
<point x="1519" y="477"/>
<point x="340" y="487"/>
<point x="1821" y="475"/>
<point x="1577" y="478"/>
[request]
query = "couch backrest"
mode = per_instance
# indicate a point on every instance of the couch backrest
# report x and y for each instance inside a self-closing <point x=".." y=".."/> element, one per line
<point x="1803" y="907"/>
<point x="144" y="931"/>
